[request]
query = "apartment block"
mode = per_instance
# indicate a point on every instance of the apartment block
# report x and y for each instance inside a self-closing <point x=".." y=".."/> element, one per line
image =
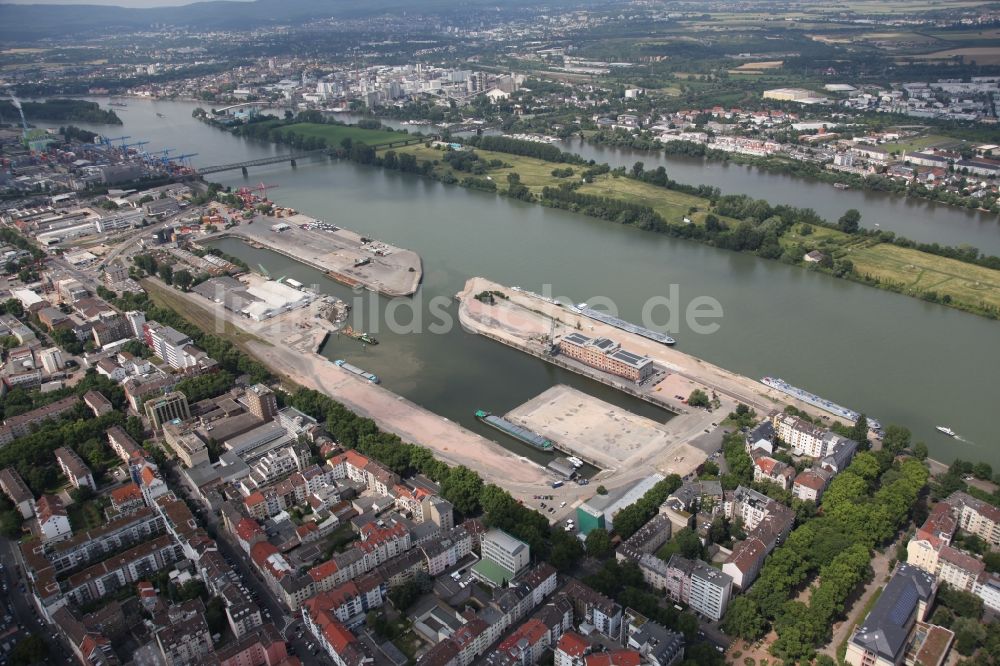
<point x="702" y="587"/>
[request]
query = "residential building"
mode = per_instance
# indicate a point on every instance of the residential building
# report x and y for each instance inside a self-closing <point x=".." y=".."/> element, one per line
<point x="594" y="608"/>
<point x="810" y="484"/>
<point x="17" y="491"/>
<point x="53" y="521"/>
<point x="263" y="646"/>
<point x="806" y="439"/>
<point x="127" y="499"/>
<point x="766" y="468"/>
<point x="98" y="403"/>
<point x="186" y="639"/>
<point x="74" y="469"/>
<point x="21" y="425"/>
<point x="570" y="650"/>
<point x="977" y="517"/>
<point x="702" y="587"/>
<point x="657" y="645"/>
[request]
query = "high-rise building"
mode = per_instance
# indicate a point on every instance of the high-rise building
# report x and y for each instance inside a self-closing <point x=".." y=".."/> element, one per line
<point x="136" y="319"/>
<point x="261" y="402"/>
<point x="166" y="408"/>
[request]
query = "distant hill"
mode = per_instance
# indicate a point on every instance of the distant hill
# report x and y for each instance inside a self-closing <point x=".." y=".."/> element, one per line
<point x="27" y="23"/>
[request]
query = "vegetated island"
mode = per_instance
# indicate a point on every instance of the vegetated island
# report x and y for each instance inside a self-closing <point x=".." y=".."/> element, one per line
<point x="77" y="110"/>
<point x="962" y="278"/>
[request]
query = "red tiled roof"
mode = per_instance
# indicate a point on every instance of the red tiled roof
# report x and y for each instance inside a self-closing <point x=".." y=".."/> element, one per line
<point x="126" y="493"/>
<point x="573" y="644"/>
<point x="253" y="499"/>
<point x="338" y="636"/>
<point x="616" y="658"/>
<point x="247" y="528"/>
<point x="323" y="571"/>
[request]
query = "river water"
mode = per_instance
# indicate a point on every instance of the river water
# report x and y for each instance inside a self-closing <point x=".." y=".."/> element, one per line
<point x="897" y="358"/>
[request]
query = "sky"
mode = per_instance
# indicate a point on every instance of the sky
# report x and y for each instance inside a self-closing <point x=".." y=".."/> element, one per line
<point x="116" y="3"/>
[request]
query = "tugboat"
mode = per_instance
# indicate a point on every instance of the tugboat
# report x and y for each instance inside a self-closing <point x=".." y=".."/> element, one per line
<point x="946" y="430"/>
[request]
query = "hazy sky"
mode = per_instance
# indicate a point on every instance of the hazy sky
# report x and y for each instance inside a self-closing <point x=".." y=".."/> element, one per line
<point x="117" y="3"/>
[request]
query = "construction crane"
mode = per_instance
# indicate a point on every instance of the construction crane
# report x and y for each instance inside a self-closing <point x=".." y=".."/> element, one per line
<point x="164" y="159"/>
<point x="262" y="188"/>
<point x="182" y="158"/>
<point x="107" y="142"/>
<point x="137" y="144"/>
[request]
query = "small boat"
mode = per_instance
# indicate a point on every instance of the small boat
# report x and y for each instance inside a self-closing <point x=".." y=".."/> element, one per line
<point x="946" y="430"/>
<point x="160" y="115"/>
<point x="841" y="186"/>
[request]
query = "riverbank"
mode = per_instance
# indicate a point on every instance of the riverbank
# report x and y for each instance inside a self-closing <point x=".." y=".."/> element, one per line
<point x="287" y="345"/>
<point x="530" y="324"/>
<point x="782" y="164"/>
<point x="794" y="236"/>
<point x="343" y="255"/>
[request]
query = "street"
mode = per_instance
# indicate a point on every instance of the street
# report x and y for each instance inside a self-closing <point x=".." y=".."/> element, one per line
<point x="23" y="608"/>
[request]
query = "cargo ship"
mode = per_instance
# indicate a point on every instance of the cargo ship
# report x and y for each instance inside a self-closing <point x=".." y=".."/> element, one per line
<point x="816" y="401"/>
<point x="515" y="431"/>
<point x="604" y="318"/>
<point x="353" y="369"/>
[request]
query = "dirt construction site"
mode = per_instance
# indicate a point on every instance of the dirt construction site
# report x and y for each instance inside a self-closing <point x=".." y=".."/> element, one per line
<point x="610" y="437"/>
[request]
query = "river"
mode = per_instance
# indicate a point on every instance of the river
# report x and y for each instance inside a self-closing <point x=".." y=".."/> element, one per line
<point x="897" y="358"/>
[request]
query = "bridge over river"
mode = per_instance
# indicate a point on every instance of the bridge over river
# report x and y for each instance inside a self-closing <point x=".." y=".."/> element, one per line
<point x="292" y="158"/>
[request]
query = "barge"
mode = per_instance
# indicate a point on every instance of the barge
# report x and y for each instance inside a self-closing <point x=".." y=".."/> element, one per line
<point x="355" y="370"/>
<point x="605" y="318"/>
<point x="515" y="431"/>
<point x="816" y="401"/>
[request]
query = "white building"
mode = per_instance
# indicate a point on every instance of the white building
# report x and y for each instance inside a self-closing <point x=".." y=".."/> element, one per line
<point x="52" y="360"/>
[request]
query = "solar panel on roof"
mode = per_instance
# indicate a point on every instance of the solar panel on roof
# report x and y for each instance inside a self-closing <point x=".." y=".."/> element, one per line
<point x="905" y="603"/>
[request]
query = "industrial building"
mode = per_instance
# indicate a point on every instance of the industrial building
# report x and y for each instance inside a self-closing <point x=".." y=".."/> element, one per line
<point x="607" y="355"/>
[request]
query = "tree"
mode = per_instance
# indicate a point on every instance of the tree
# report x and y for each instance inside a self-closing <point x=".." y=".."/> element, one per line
<point x="698" y="398"/>
<point x="969" y="635"/>
<point x="183" y="279"/>
<point x="982" y="470"/>
<point x="598" y="543"/>
<point x="895" y="439"/>
<point x="462" y="488"/>
<point x="601" y="490"/>
<point x="859" y="433"/>
<point x="744" y="619"/>
<point x="920" y="451"/>
<point x="30" y="650"/>
<point x="850" y="222"/>
<point x="166" y="273"/>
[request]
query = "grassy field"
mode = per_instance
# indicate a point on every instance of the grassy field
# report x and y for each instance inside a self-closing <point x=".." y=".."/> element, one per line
<point x="919" y="143"/>
<point x="919" y="273"/>
<point x="536" y="174"/>
<point x="334" y="134"/>
<point x="983" y="55"/>
<point x="167" y="297"/>
<point x="915" y="272"/>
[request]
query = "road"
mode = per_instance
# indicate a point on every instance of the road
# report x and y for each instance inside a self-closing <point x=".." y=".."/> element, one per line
<point x="23" y="608"/>
<point x="880" y="566"/>
<point x="287" y="625"/>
